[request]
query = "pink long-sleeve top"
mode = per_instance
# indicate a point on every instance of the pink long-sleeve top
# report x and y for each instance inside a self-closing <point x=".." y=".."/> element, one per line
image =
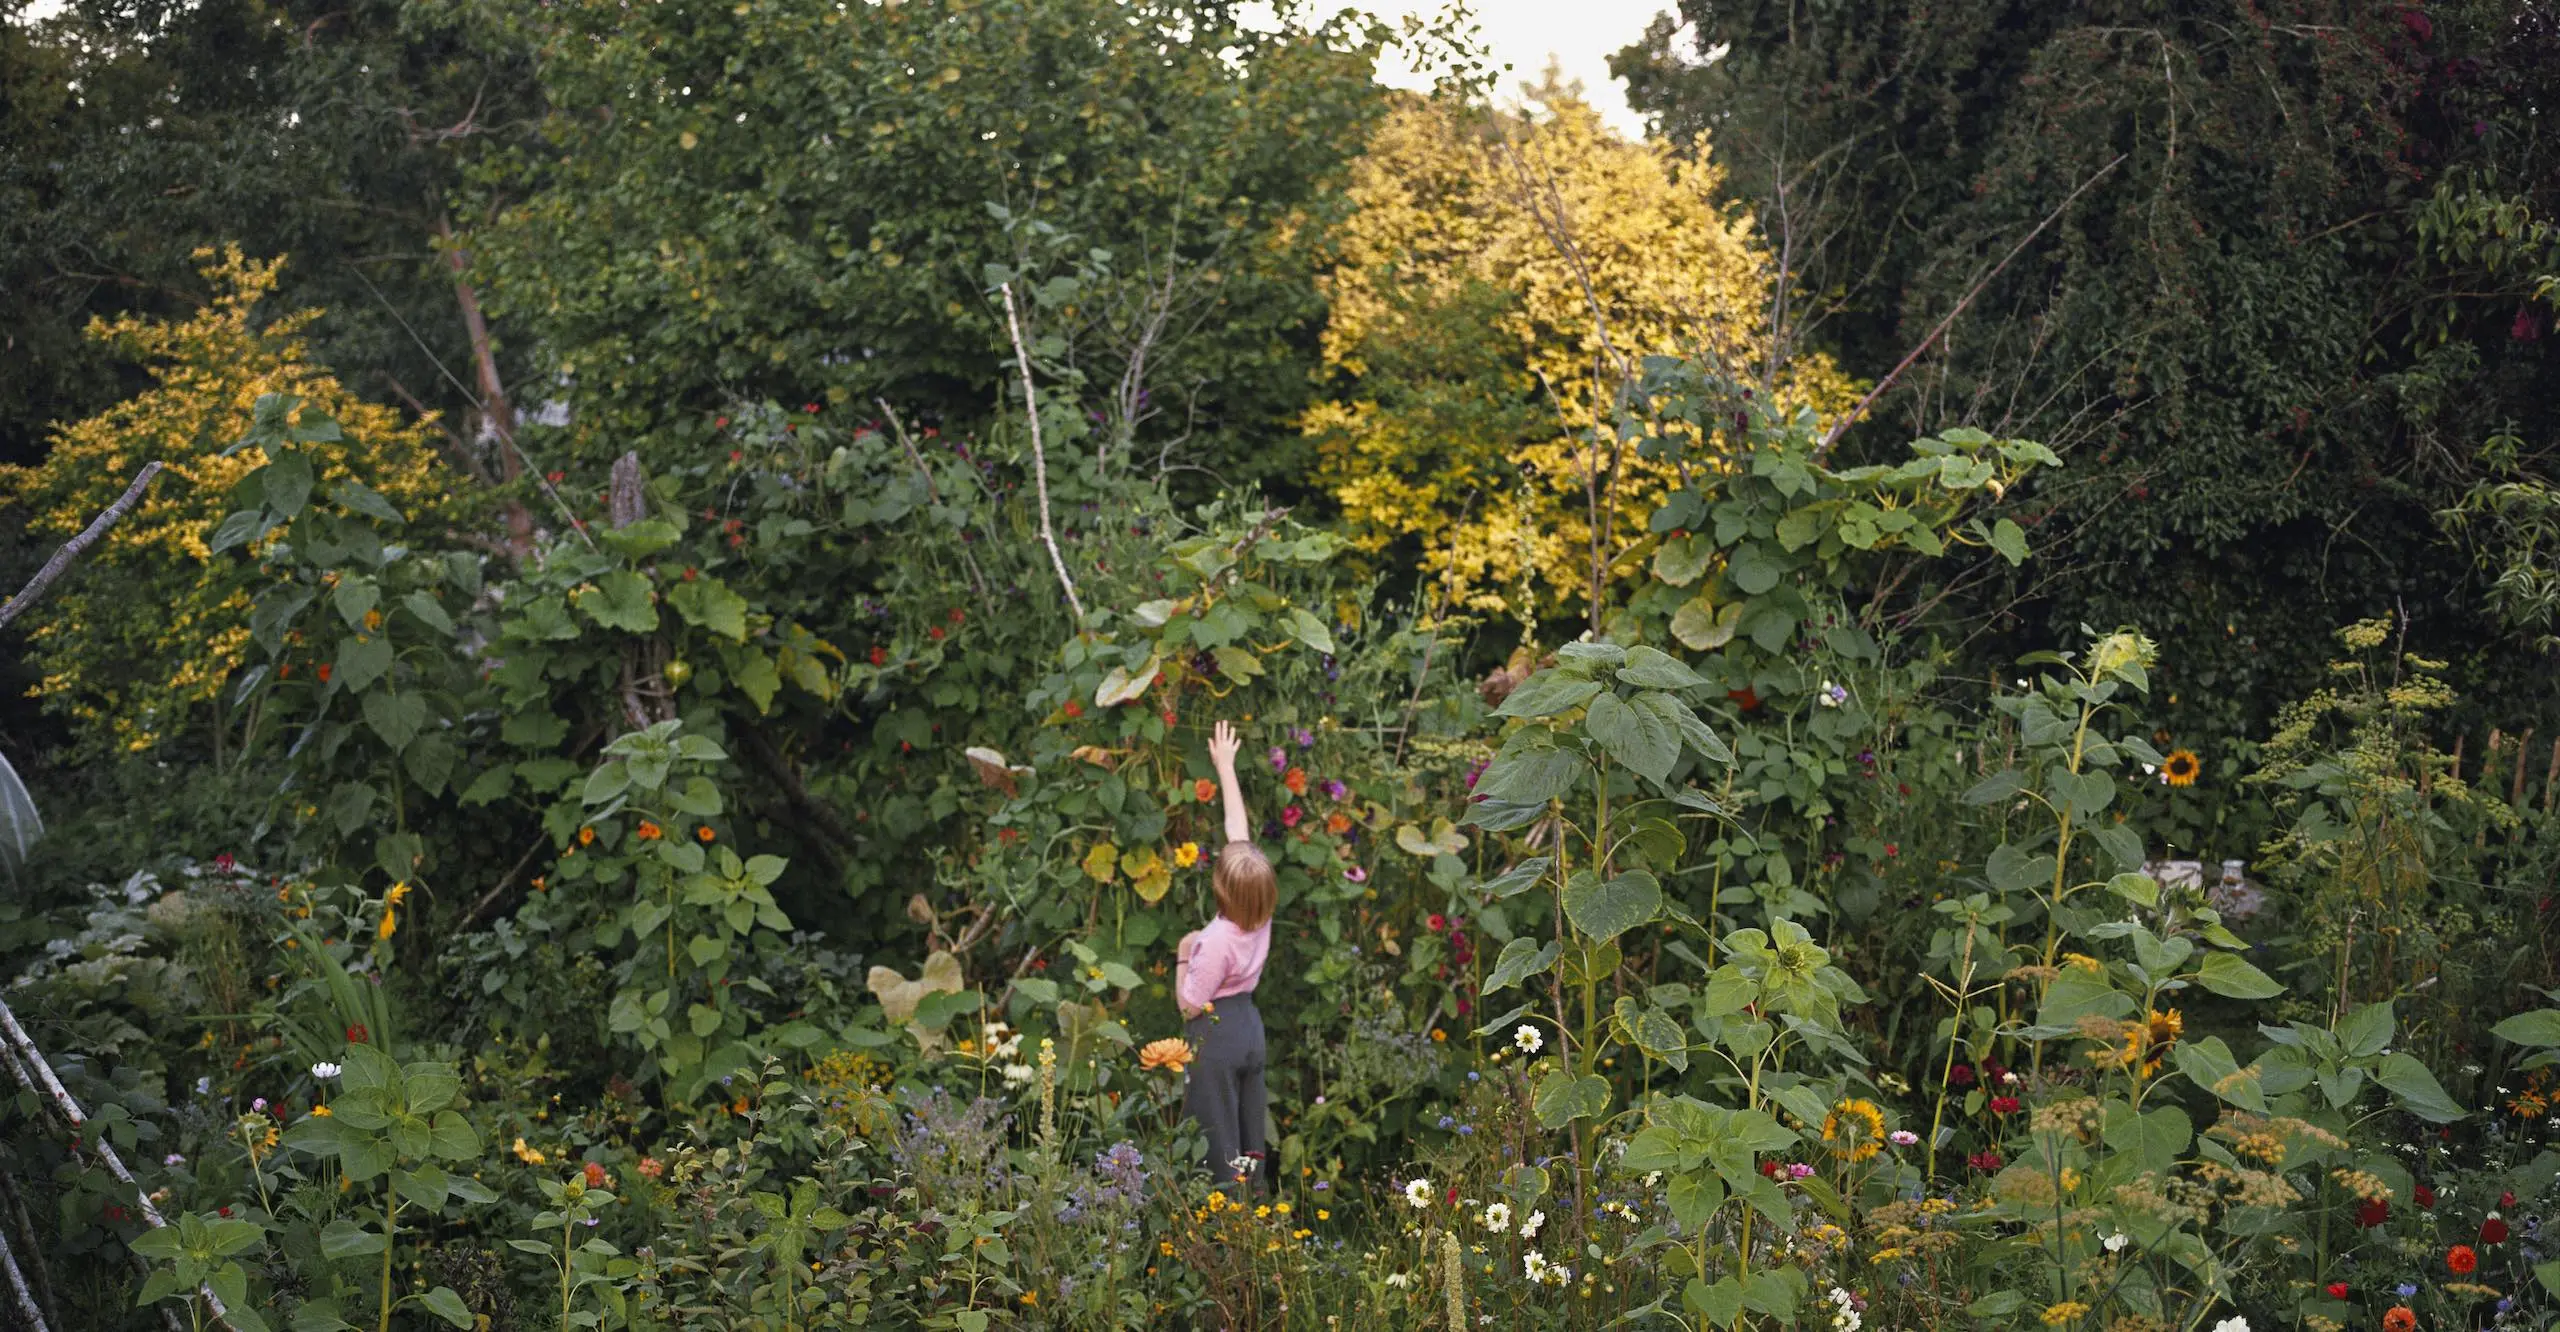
<point x="1224" y="961"/>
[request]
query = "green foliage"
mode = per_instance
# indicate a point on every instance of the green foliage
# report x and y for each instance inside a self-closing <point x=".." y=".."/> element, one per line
<point x="813" y="202"/>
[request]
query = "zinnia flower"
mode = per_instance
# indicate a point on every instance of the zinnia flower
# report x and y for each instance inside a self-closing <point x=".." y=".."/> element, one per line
<point x="2401" y="1319"/>
<point x="1904" y="1138"/>
<point x="1985" y="1159"/>
<point x="1289" y="817"/>
<point x="2426" y="1196"/>
<point x="1296" y="780"/>
<point x="1170" y="1052"/>
<point x="2004" y="1105"/>
<point x="2372" y="1212"/>
<point x="596" y="1178"/>
<point x="2461" y="1260"/>
<point x="2493" y="1230"/>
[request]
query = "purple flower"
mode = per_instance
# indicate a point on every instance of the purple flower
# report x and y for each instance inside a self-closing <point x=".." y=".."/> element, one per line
<point x="1279" y="759"/>
<point x="1306" y="738"/>
<point x="173" y="1159"/>
<point x="1799" y="1170"/>
<point x="1334" y="789"/>
<point x="1356" y="874"/>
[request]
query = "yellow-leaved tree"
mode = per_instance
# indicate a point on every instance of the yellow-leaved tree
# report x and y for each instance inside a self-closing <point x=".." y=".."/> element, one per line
<point x="144" y="634"/>
<point x="1472" y="418"/>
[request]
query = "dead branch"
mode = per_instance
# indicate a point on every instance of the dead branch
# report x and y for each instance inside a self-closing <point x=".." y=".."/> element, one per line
<point x="1039" y="456"/>
<point x="1841" y="426"/>
<point x="71" y="550"/>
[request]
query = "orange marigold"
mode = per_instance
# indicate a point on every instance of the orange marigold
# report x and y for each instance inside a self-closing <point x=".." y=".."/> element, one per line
<point x="1337" y="823"/>
<point x="1296" y="781"/>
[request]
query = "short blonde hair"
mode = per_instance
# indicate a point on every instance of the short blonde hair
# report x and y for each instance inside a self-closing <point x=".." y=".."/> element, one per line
<point x="1247" y="890"/>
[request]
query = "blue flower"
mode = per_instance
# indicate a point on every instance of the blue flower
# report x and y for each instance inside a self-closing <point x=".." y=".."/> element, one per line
<point x="2404" y="1290"/>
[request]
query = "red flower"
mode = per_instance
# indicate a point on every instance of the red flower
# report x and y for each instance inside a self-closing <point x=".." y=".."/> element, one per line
<point x="2402" y="1318"/>
<point x="2461" y="1260"/>
<point x="1960" y="1076"/>
<point x="2507" y="1201"/>
<point x="357" y="1035"/>
<point x="224" y="862"/>
<point x="1289" y="817"/>
<point x="1746" y="698"/>
<point x="879" y="656"/>
<point x="1984" y="1160"/>
<point x="1168" y="716"/>
<point x="2004" y="1105"/>
<point x="2372" y="1212"/>
<point x="719" y="422"/>
<point x="1769" y="1168"/>
<point x="2493" y="1230"/>
<point x="737" y="455"/>
<point x="1437" y="922"/>
<point x="2426" y="1196"/>
<point x="595" y="1175"/>
<point x="812" y="409"/>
<point x="1074" y="709"/>
<point x="934" y="632"/>
<point x="1204" y="790"/>
<point x="324" y="672"/>
<point x="2337" y="1290"/>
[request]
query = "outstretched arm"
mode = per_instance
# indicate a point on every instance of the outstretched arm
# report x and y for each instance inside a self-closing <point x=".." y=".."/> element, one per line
<point x="1222" y="755"/>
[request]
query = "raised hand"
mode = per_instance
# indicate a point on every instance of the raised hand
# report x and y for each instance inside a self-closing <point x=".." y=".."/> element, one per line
<point x="1223" y="745"/>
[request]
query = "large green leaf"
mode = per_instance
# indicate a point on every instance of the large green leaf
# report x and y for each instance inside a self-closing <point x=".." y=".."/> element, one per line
<point x="1521" y="958"/>
<point x="1651" y="668"/>
<point x="2541" y="1027"/>
<point x="1546" y="694"/>
<point x="1563" y="1097"/>
<point x="362" y="659"/>
<point x="1533" y="777"/>
<point x="2227" y="975"/>
<point x="2416" y="1088"/>
<point x="1640" y="738"/>
<point x="396" y="717"/>
<point x="708" y="603"/>
<point x="1605" y="910"/>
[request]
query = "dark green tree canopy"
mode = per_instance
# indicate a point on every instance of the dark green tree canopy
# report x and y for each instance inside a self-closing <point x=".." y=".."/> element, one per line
<point x="2265" y="379"/>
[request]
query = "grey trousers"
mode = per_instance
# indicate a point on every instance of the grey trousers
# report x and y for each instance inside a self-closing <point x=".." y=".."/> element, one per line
<point x="1224" y="1090"/>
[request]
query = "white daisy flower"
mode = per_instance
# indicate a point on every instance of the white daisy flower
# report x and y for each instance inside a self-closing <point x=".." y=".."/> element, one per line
<point x="1418" y="1193"/>
<point x="1497" y="1218"/>
<point x="1528" y="1039"/>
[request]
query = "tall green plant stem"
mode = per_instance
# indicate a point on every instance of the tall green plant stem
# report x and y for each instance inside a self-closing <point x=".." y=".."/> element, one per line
<point x="390" y="1244"/>
<point x="2061" y="873"/>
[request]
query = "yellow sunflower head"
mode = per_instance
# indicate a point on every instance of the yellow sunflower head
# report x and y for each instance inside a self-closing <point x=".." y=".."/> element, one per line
<point x="2181" y="768"/>
<point x="1854" y="1129"/>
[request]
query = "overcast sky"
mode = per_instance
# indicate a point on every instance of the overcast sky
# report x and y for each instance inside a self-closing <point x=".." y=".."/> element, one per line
<point x="1580" y="34"/>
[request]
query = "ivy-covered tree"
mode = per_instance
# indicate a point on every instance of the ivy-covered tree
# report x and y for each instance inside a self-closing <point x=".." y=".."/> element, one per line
<point x="2234" y="334"/>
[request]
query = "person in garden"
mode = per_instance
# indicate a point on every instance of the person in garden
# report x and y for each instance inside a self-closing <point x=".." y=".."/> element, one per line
<point x="1216" y="969"/>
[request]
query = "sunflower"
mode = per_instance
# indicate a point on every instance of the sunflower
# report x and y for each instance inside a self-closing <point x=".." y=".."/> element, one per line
<point x="2151" y="1039"/>
<point x="2181" y="768"/>
<point x="1855" y="1128"/>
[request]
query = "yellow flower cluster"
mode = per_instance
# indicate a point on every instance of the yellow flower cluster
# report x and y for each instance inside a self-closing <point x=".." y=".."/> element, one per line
<point x="156" y="639"/>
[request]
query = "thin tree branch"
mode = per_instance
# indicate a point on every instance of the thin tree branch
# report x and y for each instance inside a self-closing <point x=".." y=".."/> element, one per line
<point x="71" y="550"/>
<point x="1841" y="426"/>
<point x="1039" y="456"/>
